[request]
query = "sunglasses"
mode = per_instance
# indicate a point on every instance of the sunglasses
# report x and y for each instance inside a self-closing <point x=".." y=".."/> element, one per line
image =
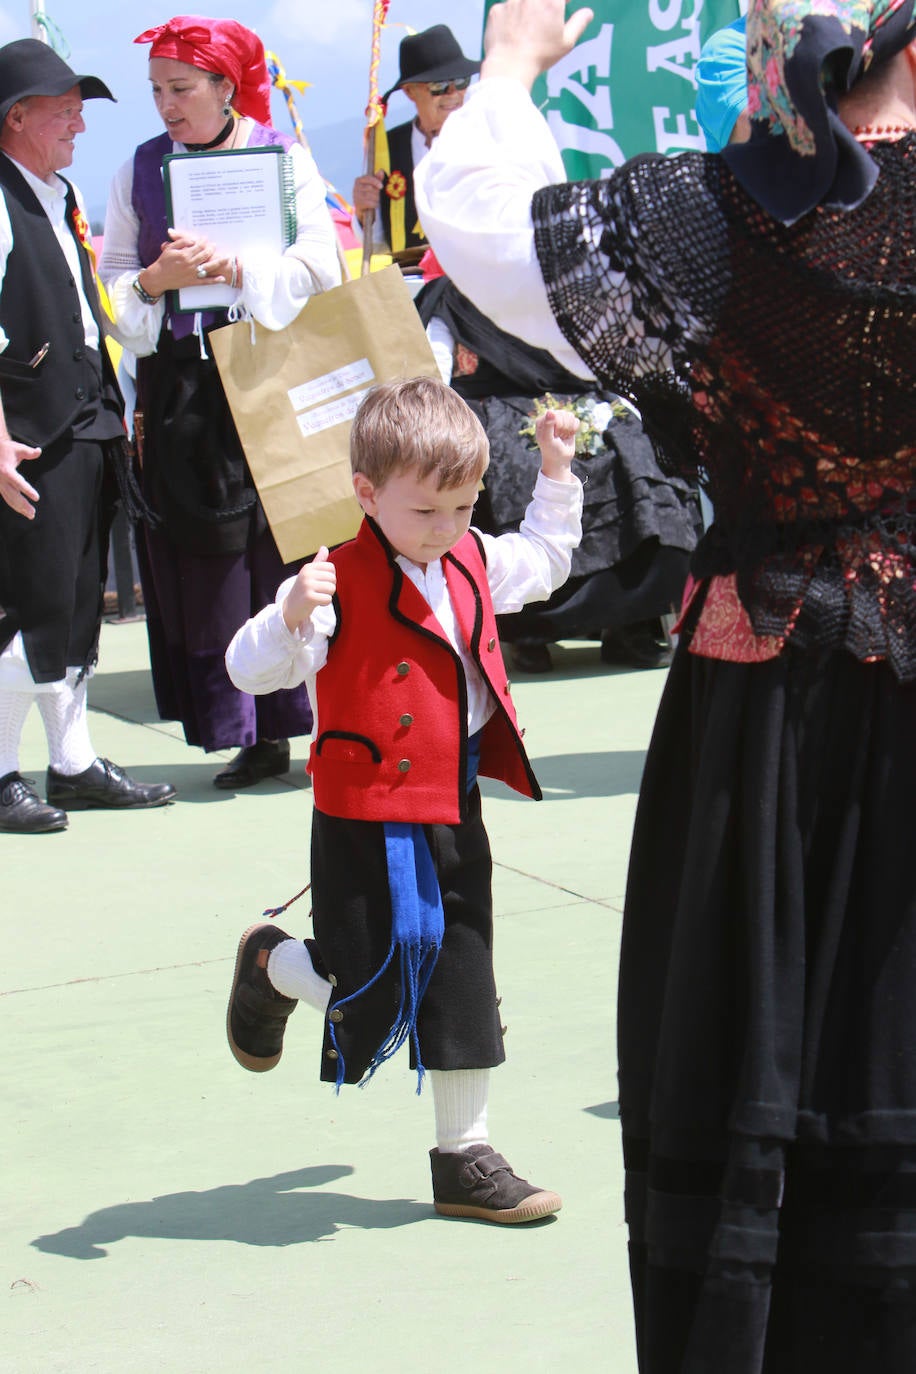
<point x="459" y="83"/>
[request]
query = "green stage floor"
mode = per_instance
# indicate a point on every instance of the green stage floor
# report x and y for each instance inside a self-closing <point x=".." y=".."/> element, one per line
<point x="165" y="1211"/>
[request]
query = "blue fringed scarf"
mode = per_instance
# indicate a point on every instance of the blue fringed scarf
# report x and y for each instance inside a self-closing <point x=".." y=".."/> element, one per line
<point x="417" y="928"/>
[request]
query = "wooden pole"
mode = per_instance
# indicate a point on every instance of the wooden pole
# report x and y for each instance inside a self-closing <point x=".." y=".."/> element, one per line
<point x="367" y="218"/>
<point x="283" y="84"/>
<point x="375" y="112"/>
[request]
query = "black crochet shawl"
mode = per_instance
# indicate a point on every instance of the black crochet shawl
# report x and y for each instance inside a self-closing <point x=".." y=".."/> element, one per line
<point x="776" y="364"/>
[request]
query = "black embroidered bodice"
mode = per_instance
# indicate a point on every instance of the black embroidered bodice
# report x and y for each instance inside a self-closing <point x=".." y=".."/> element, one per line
<point x="775" y="364"/>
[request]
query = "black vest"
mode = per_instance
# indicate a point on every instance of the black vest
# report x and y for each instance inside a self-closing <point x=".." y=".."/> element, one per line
<point x="400" y="157"/>
<point x="72" y="386"/>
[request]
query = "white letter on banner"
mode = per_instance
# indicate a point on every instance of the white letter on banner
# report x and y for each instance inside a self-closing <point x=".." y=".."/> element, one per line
<point x="671" y="57"/>
<point x="664" y="17"/>
<point x="590" y="62"/>
<point x="594" y="142"/>
<point x="593" y="55"/>
<point x="680" y="139"/>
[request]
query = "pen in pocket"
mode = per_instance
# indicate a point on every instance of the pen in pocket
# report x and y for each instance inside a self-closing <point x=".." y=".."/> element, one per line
<point x="33" y="362"/>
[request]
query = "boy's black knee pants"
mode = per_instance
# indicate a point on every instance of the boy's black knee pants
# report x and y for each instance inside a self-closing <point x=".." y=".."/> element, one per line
<point x="458" y="1024"/>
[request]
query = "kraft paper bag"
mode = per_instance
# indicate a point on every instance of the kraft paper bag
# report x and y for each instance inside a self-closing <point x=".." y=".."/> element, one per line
<point x="293" y="394"/>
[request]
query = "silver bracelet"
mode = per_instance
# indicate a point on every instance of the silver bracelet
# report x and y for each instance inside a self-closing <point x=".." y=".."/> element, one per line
<point x="144" y="295"/>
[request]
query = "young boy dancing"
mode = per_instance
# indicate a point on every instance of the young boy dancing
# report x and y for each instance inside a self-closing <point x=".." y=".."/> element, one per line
<point x="395" y="636"/>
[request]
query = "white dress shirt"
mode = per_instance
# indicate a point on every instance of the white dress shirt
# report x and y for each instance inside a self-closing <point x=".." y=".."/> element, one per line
<point x="266" y="655"/>
<point x="474" y="190"/>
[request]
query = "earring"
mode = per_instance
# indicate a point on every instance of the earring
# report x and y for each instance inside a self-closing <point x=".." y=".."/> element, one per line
<point x="227" y="107"/>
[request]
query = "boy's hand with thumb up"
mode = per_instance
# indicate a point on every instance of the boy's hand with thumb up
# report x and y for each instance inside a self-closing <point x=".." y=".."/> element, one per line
<point x="314" y="586"/>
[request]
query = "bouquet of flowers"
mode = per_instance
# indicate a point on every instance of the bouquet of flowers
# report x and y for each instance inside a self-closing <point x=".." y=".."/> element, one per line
<point x="594" y="416"/>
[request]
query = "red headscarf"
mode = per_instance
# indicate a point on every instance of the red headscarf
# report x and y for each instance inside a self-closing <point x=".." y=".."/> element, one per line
<point x="218" y="45"/>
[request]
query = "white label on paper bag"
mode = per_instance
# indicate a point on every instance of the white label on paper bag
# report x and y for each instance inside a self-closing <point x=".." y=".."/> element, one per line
<point x="334" y="413"/>
<point x="331" y="384"/>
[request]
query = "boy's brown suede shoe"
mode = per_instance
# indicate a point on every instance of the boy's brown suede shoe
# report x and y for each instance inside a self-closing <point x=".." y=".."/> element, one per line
<point x="478" y="1182"/>
<point x="257" y="1014"/>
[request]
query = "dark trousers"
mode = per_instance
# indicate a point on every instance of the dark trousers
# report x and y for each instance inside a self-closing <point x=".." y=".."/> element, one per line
<point x="52" y="568"/>
<point x="458" y="1026"/>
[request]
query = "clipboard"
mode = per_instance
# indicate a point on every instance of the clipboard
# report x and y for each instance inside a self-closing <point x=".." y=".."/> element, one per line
<point x="242" y="199"/>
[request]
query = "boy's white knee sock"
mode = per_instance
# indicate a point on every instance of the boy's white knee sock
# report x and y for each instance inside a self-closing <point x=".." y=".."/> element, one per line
<point x="66" y="721"/>
<point x="460" y="1097"/>
<point x="14" y="707"/>
<point x="292" y="973"/>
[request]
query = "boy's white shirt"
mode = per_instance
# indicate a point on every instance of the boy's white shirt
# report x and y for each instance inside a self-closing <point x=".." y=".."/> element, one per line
<point x="265" y="655"/>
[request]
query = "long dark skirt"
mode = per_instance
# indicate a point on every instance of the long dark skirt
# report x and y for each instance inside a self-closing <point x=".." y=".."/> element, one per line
<point x="194" y="605"/>
<point x="767" y="1022"/>
<point x="638" y="526"/>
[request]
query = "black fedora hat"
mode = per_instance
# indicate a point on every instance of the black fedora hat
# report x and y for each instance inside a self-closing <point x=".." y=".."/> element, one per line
<point x="29" y="67"/>
<point x="433" y="55"/>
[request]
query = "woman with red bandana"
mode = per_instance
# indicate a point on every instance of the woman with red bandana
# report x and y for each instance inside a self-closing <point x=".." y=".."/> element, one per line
<point x="211" y="562"/>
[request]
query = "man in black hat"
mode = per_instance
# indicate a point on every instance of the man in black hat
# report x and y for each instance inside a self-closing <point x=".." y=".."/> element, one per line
<point x="435" y="75"/>
<point x="61" y="422"/>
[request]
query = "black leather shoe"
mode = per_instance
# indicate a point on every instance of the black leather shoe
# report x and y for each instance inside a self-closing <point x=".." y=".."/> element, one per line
<point x="266" y="759"/>
<point x="104" y="784"/>
<point x="257" y="1013"/>
<point x="645" y="644"/>
<point x="531" y="656"/>
<point x="22" y="812"/>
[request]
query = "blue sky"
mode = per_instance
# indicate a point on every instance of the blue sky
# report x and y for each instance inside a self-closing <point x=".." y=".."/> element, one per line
<point x="326" y="42"/>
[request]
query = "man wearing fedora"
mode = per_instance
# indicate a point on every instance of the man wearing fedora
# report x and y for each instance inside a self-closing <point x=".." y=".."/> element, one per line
<point x="435" y="75"/>
<point x="61" y="439"/>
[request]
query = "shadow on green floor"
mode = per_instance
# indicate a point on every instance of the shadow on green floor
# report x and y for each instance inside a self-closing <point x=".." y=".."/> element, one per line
<point x="264" y="1212"/>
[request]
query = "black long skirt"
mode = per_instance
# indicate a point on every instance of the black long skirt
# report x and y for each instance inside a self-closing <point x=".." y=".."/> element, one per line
<point x="212" y="562"/>
<point x="767" y="1022"/>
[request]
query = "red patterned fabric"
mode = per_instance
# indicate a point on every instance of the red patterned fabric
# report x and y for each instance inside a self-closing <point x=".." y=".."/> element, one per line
<point x="724" y="629"/>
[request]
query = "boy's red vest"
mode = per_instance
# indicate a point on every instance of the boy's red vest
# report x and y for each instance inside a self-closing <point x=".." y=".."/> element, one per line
<point x="392" y="697"/>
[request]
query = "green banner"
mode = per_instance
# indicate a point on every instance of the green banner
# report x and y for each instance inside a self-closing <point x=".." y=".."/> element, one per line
<point x="628" y="86"/>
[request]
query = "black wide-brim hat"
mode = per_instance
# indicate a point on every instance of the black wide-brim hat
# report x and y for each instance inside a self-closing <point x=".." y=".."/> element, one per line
<point x="30" y="67"/>
<point x="433" y="55"/>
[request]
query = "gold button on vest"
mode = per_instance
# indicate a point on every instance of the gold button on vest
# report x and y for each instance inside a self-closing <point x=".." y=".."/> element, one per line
<point x="403" y="669"/>
<point x="404" y="765"/>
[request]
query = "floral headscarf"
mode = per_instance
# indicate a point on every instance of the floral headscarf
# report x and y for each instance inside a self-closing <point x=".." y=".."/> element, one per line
<point x="802" y="54"/>
<point x="218" y="45"/>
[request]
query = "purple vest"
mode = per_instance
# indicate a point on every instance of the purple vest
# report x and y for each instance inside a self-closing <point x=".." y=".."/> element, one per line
<point x="148" y="200"/>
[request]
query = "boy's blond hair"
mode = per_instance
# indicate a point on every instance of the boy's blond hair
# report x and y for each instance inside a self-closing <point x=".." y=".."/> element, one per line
<point x="422" y="425"/>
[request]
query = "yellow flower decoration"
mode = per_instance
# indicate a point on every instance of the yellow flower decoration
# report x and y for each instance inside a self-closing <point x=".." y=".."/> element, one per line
<point x="84" y="233"/>
<point x="396" y="186"/>
<point x="81" y="225"/>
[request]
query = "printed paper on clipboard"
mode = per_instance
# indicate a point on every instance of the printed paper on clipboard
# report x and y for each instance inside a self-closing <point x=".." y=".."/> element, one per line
<point x="242" y="200"/>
